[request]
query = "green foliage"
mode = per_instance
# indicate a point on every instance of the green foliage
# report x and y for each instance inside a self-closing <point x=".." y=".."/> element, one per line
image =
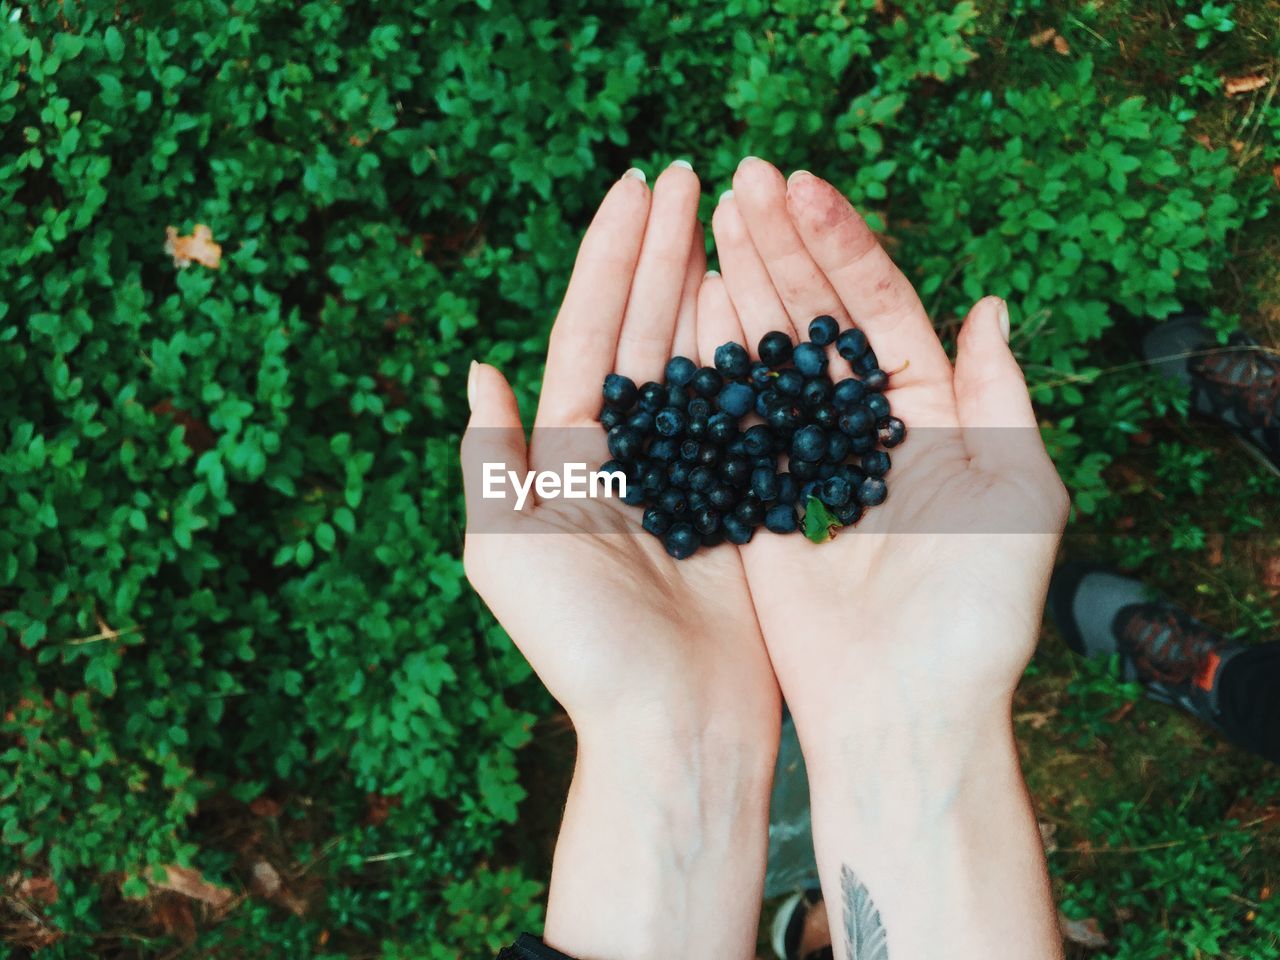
<point x="229" y="540"/>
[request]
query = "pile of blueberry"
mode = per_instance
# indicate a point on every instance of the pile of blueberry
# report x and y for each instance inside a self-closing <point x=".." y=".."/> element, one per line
<point x="704" y="476"/>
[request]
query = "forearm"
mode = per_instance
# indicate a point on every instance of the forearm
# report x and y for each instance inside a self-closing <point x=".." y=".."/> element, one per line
<point x="931" y="826"/>
<point x="662" y="851"/>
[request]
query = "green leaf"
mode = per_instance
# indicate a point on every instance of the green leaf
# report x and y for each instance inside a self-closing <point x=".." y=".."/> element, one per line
<point x="820" y="524"/>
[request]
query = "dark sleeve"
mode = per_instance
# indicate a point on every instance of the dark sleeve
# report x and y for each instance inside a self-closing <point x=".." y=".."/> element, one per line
<point x="531" y="948"/>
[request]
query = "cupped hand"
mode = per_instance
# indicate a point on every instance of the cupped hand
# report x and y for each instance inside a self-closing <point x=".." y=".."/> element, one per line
<point x="630" y="641"/>
<point x="913" y="627"/>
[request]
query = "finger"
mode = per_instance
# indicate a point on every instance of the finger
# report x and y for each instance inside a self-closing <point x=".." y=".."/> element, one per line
<point x="717" y="321"/>
<point x="747" y="281"/>
<point x="493" y="444"/>
<point x="874" y="291"/>
<point x="760" y="193"/>
<point x="649" y="324"/>
<point x="686" y="338"/>
<point x="1001" y="433"/>
<point x="584" y="339"/>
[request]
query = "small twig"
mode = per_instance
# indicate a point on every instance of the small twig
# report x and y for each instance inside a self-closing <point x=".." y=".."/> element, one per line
<point x="1139" y="364"/>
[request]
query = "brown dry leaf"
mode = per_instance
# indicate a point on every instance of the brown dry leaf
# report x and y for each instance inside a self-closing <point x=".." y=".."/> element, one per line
<point x="1213" y="545"/>
<point x="1036" y="719"/>
<point x="172" y="914"/>
<point x="1203" y="140"/>
<point x="1275" y="175"/>
<point x="1043" y="37"/>
<point x="1235" y="86"/>
<point x="266" y="807"/>
<point x="1086" y="932"/>
<point x="379" y="807"/>
<point x="191" y="884"/>
<point x="1271" y="573"/>
<point x="38" y="890"/>
<point x="199" y="247"/>
<point x="1060" y="45"/>
<point x="265" y="880"/>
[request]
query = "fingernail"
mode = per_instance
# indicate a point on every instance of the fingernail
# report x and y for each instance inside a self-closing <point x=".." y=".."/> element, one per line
<point x="1002" y="315"/>
<point x="798" y="175"/>
<point x="471" y="385"/>
<point x="636" y="173"/>
<point x="727" y="195"/>
<point x="682" y="163"/>
<point x="712" y="273"/>
<point x="746" y="160"/>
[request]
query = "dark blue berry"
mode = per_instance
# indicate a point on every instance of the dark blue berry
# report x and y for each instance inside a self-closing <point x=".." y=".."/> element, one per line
<point x="815" y="393"/>
<point x="876" y="379"/>
<point x="697" y="501"/>
<point x="809" y="443"/>
<point x="702" y="479"/>
<point x="653" y="478"/>
<point x="781" y="518"/>
<point x="696" y="427"/>
<point x="826" y="470"/>
<point x="699" y="407"/>
<point x="680" y="371"/>
<point x="848" y="394"/>
<point x="610" y="417"/>
<point x="635" y="491"/>
<point x="761" y="375"/>
<point x="872" y="491"/>
<point x="722" y="496"/>
<point x="862" y="443"/>
<point x="878" y="404"/>
<point x="706" y="520"/>
<point x="672" y="501"/>
<point x="735" y="531"/>
<point x="737" y="447"/>
<point x="775" y="348"/>
<point x="749" y="510"/>
<point x="652" y="396"/>
<point x="673" y="396"/>
<point x="891" y="430"/>
<point x="789" y="382"/>
<point x="655" y="521"/>
<point x="876" y="463"/>
<point x="788" y="488"/>
<point x="825" y="416"/>
<point x="758" y="440"/>
<point x="681" y="541"/>
<point x="736" y="399"/>
<point x="766" y="400"/>
<point x="804" y="469"/>
<point x="764" y="483"/>
<point x="857" y="421"/>
<point x="709" y="453"/>
<point x="707" y="382"/>
<point x="848" y="513"/>
<point x="731" y="360"/>
<point x="619" y="391"/>
<point x="670" y="422"/>
<point x="808" y="491"/>
<point x="851" y="344"/>
<point x="641" y="421"/>
<point x="835" y="491"/>
<point x="678" y="473"/>
<point x="736" y="470"/>
<point x="810" y="359"/>
<point x="783" y="420"/>
<point x="722" y="428"/>
<point x="866" y="363"/>
<point x="689" y="449"/>
<point x="714" y="538"/>
<point x="837" y="447"/>
<point x="823" y="330"/>
<point x="624" y="442"/>
<point x="664" y="448"/>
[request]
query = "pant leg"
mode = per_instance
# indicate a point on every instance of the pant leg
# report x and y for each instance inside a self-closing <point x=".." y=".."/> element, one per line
<point x="1249" y="700"/>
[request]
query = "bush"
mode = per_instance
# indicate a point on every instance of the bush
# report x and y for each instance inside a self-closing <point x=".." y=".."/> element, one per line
<point x="235" y="618"/>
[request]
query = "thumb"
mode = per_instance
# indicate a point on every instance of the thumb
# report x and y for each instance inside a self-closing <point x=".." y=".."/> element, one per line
<point x="493" y="444"/>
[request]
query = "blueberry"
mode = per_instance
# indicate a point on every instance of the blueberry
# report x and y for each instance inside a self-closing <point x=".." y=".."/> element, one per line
<point x="673" y="396"/>
<point x="810" y="359"/>
<point x="823" y="330"/>
<point x="825" y="416"/>
<point x="652" y="396"/>
<point x="731" y="360"/>
<point x="764" y="484"/>
<point x="835" y="491"/>
<point x="702" y="479"/>
<point x="766" y="400"/>
<point x="876" y="463"/>
<point x="670" y="422"/>
<point x="857" y="421"/>
<point x="653" y="478"/>
<point x="696" y="427"/>
<point x="783" y="420"/>
<point x="809" y="491"/>
<point x="826" y="470"/>
<point x="788" y="488"/>
<point x="655" y="521"/>
<point x="878" y="405"/>
<point x="808" y="443"/>
<point x="737" y="447"/>
<point x="736" y="399"/>
<point x="872" y="491"/>
<point x="775" y="348"/>
<point x="681" y="541"/>
<point x="853" y="474"/>
<point x="789" y="382"/>
<point x="851" y="344"/>
<point x="707" y="382"/>
<point x="891" y="431"/>
<point x="714" y="538"/>
<point x="610" y="417"/>
<point x="678" y="473"/>
<point x="749" y="510"/>
<point x="866" y="363"/>
<point x="689" y="449"/>
<point x="815" y="393"/>
<point x="699" y="407"/>
<point x="781" y="518"/>
<point x="848" y="394"/>
<point x="862" y="443"/>
<point x="722" y="497"/>
<point x="641" y="421"/>
<point x="876" y="379"/>
<point x="736" y="470"/>
<point x="709" y="453"/>
<point x="761" y="375"/>
<point x="803" y="469"/>
<point x="680" y="371"/>
<point x="736" y="531"/>
<point x="706" y="520"/>
<point x="635" y="492"/>
<point x="697" y="501"/>
<point x="837" y="447"/>
<point x="722" y="428"/>
<point x="758" y="440"/>
<point x="624" y="442"/>
<point x="848" y="513"/>
<point x="664" y="448"/>
<point x="672" y="501"/>
<point x="619" y="391"/>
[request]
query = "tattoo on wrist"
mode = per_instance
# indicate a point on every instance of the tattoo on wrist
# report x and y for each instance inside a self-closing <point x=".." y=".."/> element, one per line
<point x="864" y="933"/>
